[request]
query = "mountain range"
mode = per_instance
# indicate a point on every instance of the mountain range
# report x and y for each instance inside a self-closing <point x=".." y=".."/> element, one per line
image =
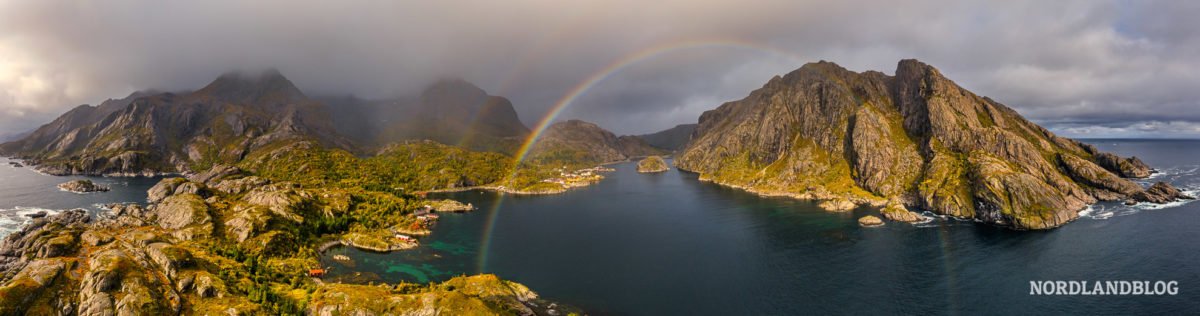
<point x="912" y="140"/>
<point x="148" y="132"/>
<point x="152" y="132"/>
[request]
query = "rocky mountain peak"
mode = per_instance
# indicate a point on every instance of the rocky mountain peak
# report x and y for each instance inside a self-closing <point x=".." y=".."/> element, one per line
<point x="910" y="69"/>
<point x="243" y="86"/>
<point x="827" y="133"/>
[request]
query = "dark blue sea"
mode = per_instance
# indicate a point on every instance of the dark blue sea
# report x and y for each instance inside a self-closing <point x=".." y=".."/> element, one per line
<point x="667" y="244"/>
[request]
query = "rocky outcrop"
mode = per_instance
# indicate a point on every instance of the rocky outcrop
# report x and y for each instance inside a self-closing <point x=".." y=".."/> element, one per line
<point x="1131" y="167"/>
<point x="896" y="212"/>
<point x="652" y="164"/>
<point x="824" y="132"/>
<point x="46" y="237"/>
<point x="1160" y="192"/>
<point x="82" y="186"/>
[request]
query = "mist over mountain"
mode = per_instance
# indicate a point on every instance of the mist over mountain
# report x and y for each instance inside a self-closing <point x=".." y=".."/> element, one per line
<point x="450" y="111"/>
<point x="671" y="139"/>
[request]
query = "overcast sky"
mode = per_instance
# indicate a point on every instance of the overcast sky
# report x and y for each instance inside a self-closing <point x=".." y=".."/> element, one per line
<point x="1081" y="68"/>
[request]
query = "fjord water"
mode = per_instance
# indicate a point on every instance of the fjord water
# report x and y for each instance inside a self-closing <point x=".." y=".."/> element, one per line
<point x="24" y="191"/>
<point x="638" y="244"/>
<point x="655" y="244"/>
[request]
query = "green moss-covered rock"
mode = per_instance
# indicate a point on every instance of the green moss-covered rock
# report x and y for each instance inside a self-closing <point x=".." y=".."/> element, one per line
<point x="652" y="164"/>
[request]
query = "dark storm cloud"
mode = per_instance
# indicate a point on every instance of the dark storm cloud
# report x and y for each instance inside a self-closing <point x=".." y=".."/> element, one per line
<point x="1083" y="68"/>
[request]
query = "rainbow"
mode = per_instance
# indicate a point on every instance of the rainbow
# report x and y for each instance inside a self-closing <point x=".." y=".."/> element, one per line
<point x="620" y="64"/>
<point x="486" y="243"/>
<point x="581" y="89"/>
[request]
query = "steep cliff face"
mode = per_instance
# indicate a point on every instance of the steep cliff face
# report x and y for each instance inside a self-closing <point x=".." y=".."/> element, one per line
<point x="166" y="132"/>
<point x="582" y="142"/>
<point x="448" y="111"/>
<point x="824" y="132"/>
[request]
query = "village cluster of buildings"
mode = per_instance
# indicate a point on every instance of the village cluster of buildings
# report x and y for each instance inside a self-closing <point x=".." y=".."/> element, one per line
<point x="578" y="178"/>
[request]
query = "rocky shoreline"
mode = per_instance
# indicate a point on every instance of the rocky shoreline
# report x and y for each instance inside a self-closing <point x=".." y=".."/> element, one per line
<point x="210" y="244"/>
<point x="1158" y="193"/>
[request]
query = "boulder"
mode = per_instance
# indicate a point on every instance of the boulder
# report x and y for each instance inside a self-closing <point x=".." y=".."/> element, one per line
<point x="870" y="221"/>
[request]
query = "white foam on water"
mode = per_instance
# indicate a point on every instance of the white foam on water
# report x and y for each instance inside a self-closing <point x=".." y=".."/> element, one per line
<point x="1087" y="211"/>
<point x="22" y="210"/>
<point x="80" y="193"/>
<point x="12" y="219"/>
<point x="1110" y="210"/>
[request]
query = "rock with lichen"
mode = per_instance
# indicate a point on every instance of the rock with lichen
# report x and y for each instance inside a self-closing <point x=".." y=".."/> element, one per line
<point x="870" y="221"/>
<point x="82" y="186"/>
<point x="652" y="164"/>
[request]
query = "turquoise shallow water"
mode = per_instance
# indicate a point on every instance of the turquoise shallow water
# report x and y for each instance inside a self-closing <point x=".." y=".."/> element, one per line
<point x="639" y="244"/>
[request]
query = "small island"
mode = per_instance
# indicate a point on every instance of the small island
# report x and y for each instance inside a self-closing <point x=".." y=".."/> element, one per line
<point x="447" y="205"/>
<point x="870" y="221"/>
<point x="82" y="186"/>
<point x="652" y="164"/>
